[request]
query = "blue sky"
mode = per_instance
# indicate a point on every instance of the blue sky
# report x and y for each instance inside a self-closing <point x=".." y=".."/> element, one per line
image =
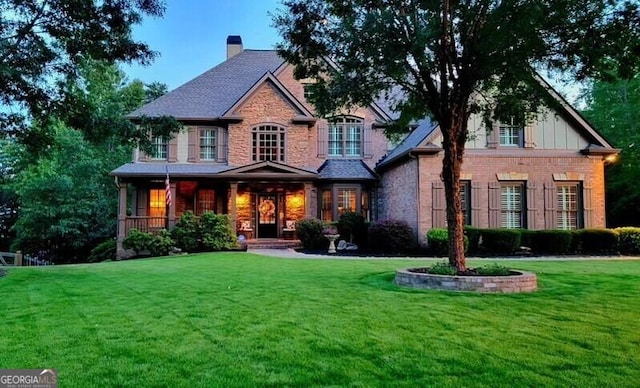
<point x="191" y="37"/>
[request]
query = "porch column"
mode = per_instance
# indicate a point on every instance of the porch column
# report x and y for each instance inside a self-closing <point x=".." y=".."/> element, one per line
<point x="171" y="221"/>
<point x="122" y="217"/>
<point x="307" y="200"/>
<point x="233" y="208"/>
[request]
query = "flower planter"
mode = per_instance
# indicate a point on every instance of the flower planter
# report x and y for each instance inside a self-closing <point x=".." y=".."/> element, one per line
<point x="518" y="281"/>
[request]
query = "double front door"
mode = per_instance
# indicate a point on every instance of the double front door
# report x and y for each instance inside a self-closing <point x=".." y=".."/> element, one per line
<point x="267" y="215"/>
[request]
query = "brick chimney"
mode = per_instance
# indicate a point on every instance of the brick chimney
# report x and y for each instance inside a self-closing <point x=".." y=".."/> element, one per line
<point x="234" y="45"/>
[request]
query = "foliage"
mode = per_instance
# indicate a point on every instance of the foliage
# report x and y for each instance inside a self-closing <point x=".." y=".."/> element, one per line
<point x="551" y="242"/>
<point x="217" y="232"/>
<point x="629" y="240"/>
<point x="526" y="237"/>
<point x="310" y="233"/>
<point x="473" y="235"/>
<point x="157" y="244"/>
<point x="438" y="241"/>
<point x="442" y="268"/>
<point x="447" y="60"/>
<point x="501" y="241"/>
<point x="391" y="236"/>
<point x="104" y="251"/>
<point x="598" y="241"/>
<point x="44" y="41"/>
<point x="493" y="269"/>
<point x="186" y="233"/>
<point x="353" y="226"/>
<point x="614" y="109"/>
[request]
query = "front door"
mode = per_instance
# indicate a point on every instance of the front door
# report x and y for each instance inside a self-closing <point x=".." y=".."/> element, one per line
<point x="267" y="212"/>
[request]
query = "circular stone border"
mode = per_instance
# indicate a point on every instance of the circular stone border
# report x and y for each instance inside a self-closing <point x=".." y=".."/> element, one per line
<point x="519" y="281"/>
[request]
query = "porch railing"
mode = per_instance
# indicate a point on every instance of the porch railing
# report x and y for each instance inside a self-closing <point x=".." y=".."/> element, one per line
<point x="145" y="224"/>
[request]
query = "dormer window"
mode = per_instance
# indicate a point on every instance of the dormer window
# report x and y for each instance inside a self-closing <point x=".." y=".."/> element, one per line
<point x="208" y="143"/>
<point x="345" y="137"/>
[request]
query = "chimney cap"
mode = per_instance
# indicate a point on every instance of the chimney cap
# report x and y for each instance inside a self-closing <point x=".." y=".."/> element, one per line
<point x="234" y="39"/>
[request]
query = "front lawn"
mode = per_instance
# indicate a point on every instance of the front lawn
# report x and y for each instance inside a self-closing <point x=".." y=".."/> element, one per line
<point x="236" y="319"/>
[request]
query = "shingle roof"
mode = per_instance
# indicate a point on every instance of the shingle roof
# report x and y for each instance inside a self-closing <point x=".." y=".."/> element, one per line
<point x="345" y="169"/>
<point x="410" y="142"/>
<point x="175" y="169"/>
<point x="212" y="93"/>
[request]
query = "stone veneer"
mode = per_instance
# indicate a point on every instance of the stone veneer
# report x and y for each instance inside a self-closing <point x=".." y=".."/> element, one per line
<point x="519" y="282"/>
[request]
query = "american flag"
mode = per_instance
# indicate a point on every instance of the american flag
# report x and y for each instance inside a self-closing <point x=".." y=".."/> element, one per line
<point x="167" y="189"/>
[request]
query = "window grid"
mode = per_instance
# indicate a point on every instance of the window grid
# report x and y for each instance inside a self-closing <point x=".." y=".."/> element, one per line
<point x="511" y="206"/>
<point x="345" y="137"/>
<point x="206" y="201"/>
<point x="159" y="148"/>
<point x="567" y="207"/>
<point x="208" y="144"/>
<point x="511" y="134"/>
<point x="268" y="143"/>
<point x="327" y="206"/>
<point x="346" y="201"/>
<point x="157" y="207"/>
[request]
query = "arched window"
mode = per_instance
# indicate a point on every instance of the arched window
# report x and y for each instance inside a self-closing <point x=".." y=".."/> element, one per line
<point x="268" y="143"/>
<point x="345" y="136"/>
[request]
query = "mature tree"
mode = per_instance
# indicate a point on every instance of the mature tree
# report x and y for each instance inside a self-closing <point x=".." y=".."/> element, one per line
<point x="449" y="59"/>
<point x="614" y="108"/>
<point x="42" y="41"/>
<point x="154" y="90"/>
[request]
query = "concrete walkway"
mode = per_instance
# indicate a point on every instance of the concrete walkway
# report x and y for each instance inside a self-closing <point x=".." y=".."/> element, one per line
<point x="292" y="254"/>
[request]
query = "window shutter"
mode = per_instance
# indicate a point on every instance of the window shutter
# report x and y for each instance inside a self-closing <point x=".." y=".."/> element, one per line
<point x="530" y="133"/>
<point x="439" y="219"/>
<point x="587" y="200"/>
<point x="368" y="152"/>
<point x="493" y="137"/>
<point x="172" y="150"/>
<point x="476" y="204"/>
<point x="322" y="142"/>
<point x="550" y="203"/>
<point x="141" y="205"/>
<point x="531" y="203"/>
<point x="192" y="150"/>
<point x="223" y="138"/>
<point x="494" y="205"/>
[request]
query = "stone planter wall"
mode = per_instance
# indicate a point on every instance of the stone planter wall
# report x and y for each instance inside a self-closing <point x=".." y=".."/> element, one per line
<point x="518" y="282"/>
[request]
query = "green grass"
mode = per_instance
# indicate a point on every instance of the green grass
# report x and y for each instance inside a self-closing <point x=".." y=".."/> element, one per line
<point x="235" y="319"/>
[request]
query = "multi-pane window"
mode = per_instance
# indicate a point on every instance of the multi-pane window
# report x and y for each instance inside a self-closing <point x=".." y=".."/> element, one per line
<point x="511" y="206"/>
<point x="268" y="143"/>
<point x="568" y="206"/>
<point x="205" y="201"/>
<point x="208" y="143"/>
<point x="327" y="206"/>
<point x="159" y="148"/>
<point x="511" y="134"/>
<point x="346" y="201"/>
<point x="157" y="208"/>
<point x="465" y="198"/>
<point x="345" y="137"/>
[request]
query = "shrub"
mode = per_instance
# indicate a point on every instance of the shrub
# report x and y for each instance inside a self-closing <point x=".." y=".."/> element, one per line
<point x="106" y="250"/>
<point x="442" y="268"/>
<point x="576" y="241"/>
<point x="599" y="241"/>
<point x="217" y="232"/>
<point x="186" y="233"/>
<point x="352" y="226"/>
<point x="526" y="237"/>
<point x="501" y="241"/>
<point x="493" y="269"/>
<point x="159" y="244"/>
<point x="551" y="242"/>
<point x="629" y="240"/>
<point x="473" y="235"/>
<point x="309" y="231"/>
<point x="438" y="241"/>
<point x="391" y="236"/>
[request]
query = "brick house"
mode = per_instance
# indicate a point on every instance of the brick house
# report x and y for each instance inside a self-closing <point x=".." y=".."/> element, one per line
<point x="252" y="148"/>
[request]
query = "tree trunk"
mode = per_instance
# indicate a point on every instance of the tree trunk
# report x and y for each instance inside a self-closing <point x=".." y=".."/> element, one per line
<point x="454" y="137"/>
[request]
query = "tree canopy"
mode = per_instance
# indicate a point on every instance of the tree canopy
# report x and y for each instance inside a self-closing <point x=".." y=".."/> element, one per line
<point x="449" y="59"/>
<point x="42" y="42"/>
